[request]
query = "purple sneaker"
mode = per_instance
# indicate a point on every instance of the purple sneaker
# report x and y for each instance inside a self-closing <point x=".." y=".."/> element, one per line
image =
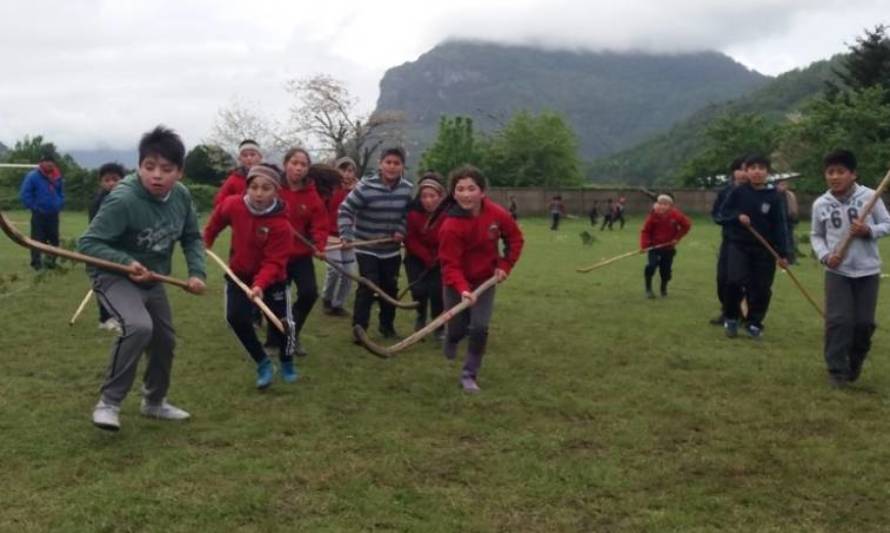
<point x="469" y="385"/>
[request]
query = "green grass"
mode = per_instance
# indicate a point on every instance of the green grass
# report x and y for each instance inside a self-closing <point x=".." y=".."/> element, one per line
<point x="600" y="411"/>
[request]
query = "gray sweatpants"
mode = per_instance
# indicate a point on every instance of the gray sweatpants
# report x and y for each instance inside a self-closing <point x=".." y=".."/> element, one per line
<point x="144" y="314"/>
<point x="472" y="323"/>
<point x="849" y="322"/>
<point x="336" y="285"/>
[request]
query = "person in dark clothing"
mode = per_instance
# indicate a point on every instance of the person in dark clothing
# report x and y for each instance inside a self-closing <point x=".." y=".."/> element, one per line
<point x="557" y="211"/>
<point x="750" y="266"/>
<point x="607" y="215"/>
<point x="736" y="176"/>
<point x="594" y="213"/>
<point x="618" y="213"/>
<point x="110" y="175"/>
<point x="42" y="194"/>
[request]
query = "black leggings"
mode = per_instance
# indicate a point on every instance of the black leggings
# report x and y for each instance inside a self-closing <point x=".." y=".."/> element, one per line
<point x="424" y="290"/>
<point x="663" y="260"/>
<point x="240" y="315"/>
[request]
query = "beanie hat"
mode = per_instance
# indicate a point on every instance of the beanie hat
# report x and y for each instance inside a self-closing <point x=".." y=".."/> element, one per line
<point x="665" y="199"/>
<point x="432" y="183"/>
<point x="345" y="161"/>
<point x="265" y="171"/>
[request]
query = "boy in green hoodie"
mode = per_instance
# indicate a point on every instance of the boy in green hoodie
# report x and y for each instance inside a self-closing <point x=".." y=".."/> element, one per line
<point x="138" y="225"/>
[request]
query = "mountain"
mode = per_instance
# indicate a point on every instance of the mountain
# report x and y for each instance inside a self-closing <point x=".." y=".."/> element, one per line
<point x="95" y="158"/>
<point x="612" y="100"/>
<point x="660" y="157"/>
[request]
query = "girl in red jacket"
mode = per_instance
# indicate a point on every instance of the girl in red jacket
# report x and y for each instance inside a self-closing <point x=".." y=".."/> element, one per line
<point x="665" y="225"/>
<point x="422" y="245"/>
<point x="468" y="252"/>
<point x="235" y="184"/>
<point x="261" y="242"/>
<point x="308" y="217"/>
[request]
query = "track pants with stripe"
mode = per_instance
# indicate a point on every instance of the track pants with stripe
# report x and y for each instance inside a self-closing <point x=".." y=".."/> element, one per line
<point x="240" y="316"/>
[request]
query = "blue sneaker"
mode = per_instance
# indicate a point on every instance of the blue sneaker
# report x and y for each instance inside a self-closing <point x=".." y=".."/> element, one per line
<point x="288" y="371"/>
<point x="731" y="328"/>
<point x="265" y="370"/>
<point x="754" y="332"/>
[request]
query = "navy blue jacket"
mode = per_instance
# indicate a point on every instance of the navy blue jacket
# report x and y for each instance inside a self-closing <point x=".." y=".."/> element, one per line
<point x="767" y="213"/>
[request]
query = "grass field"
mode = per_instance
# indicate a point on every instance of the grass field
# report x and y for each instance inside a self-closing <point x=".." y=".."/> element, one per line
<point x="600" y="411"/>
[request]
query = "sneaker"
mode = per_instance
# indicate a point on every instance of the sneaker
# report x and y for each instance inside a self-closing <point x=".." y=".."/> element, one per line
<point x="299" y="351"/>
<point x="717" y="320"/>
<point x="856" y="362"/>
<point x="111" y="325"/>
<point x="664" y="292"/>
<point x="731" y="328"/>
<point x="326" y="305"/>
<point x="163" y="411"/>
<point x="836" y="381"/>
<point x="106" y="416"/>
<point x="469" y="385"/>
<point x="265" y="370"/>
<point x="388" y="333"/>
<point x="754" y="332"/>
<point x="650" y="294"/>
<point x="288" y="371"/>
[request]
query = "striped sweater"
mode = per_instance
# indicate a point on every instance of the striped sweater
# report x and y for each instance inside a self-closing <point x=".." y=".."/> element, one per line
<point x="374" y="210"/>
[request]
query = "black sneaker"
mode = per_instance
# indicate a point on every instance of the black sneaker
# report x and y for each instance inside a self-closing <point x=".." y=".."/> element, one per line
<point x="664" y="292"/>
<point x="836" y="381"/>
<point x="754" y="332"/>
<point x="855" y="366"/>
<point x="649" y="294"/>
<point x="731" y="328"/>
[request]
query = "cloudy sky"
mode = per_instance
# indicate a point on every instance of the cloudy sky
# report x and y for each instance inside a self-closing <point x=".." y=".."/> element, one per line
<point x="91" y="73"/>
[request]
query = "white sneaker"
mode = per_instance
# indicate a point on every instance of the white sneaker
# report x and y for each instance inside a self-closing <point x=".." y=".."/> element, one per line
<point x="106" y="416"/>
<point x="163" y="411"/>
<point x="111" y="325"/>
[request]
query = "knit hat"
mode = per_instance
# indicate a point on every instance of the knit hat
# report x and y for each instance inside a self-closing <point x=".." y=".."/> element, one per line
<point x="249" y="144"/>
<point x="432" y="183"/>
<point x="265" y="170"/>
<point x="345" y="161"/>
<point x="665" y="199"/>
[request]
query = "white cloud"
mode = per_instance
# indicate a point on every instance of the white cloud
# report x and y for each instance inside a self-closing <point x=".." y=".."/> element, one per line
<point x="91" y="72"/>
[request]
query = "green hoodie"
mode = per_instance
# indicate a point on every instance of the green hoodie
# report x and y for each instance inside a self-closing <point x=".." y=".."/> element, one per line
<point x="134" y="225"/>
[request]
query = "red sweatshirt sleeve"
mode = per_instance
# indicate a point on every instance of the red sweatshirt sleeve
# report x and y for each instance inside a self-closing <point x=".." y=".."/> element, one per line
<point x="276" y="253"/>
<point x="683" y="224"/>
<point x="646" y="233"/>
<point x="219" y="219"/>
<point x="451" y="250"/>
<point x="514" y="241"/>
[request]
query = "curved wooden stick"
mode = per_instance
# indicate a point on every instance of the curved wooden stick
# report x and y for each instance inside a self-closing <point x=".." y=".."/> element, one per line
<point x="353" y="244"/>
<point x="787" y="270"/>
<point x="28" y="242"/>
<point x="622" y="256"/>
<point x="81" y="307"/>
<point x="258" y="301"/>
<point x="383" y="352"/>
<point x="413" y="283"/>
<point x="844" y="245"/>
<point x="358" y="279"/>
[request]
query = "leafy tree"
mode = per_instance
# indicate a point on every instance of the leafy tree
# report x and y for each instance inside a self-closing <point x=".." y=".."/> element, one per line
<point x="455" y="145"/>
<point x="80" y="184"/>
<point x="728" y="137"/>
<point x="868" y="63"/>
<point x="532" y="151"/>
<point x="208" y="164"/>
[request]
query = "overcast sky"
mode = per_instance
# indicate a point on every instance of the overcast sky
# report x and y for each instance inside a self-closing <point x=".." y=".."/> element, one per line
<point x="88" y="73"/>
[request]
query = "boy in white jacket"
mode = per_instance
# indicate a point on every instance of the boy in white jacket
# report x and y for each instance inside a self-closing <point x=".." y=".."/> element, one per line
<point x="851" y="282"/>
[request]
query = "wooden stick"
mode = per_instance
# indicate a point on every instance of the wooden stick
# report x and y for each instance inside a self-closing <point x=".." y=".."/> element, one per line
<point x="81" y="307"/>
<point x="787" y="270"/>
<point x="27" y="242"/>
<point x="844" y="245"/>
<point x="623" y="256"/>
<point x="381" y="351"/>
<point x="416" y="281"/>
<point x="378" y="291"/>
<point x="258" y="301"/>
<point x="353" y="244"/>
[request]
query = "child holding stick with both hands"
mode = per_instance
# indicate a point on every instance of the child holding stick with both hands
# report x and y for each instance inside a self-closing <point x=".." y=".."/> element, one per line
<point x="261" y="246"/>
<point x="665" y="224"/>
<point x="468" y="251"/>
<point x="851" y="282"/>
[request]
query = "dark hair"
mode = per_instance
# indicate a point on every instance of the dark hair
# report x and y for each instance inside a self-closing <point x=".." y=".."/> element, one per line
<point x="463" y="172"/>
<point x="162" y="142"/>
<point x="325" y="177"/>
<point x="844" y="158"/>
<point x="397" y="151"/>
<point x="294" y="151"/>
<point x="112" y="168"/>
<point x="737" y="163"/>
<point x="47" y="156"/>
<point x="758" y="159"/>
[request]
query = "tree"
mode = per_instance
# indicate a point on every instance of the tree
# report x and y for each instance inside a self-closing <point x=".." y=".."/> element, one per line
<point x="326" y="113"/>
<point x="860" y="121"/>
<point x="868" y="63"/>
<point x="80" y="184"/>
<point x="455" y="145"/>
<point x="208" y="164"/>
<point x="237" y="122"/>
<point x="532" y="151"/>
<point x="728" y="137"/>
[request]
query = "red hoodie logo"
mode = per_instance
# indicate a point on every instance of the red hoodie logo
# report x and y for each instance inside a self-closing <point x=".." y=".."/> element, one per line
<point x="262" y="233"/>
<point x="494" y="232"/>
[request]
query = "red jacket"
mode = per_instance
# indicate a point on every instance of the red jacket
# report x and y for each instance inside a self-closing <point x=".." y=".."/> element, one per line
<point x="307" y="214"/>
<point x="261" y="244"/>
<point x="423" y="242"/>
<point x="659" y="229"/>
<point x="333" y="206"/>
<point x="468" y="245"/>
<point x="235" y="185"/>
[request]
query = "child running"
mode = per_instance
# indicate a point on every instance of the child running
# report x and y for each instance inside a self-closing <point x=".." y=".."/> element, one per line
<point x="308" y="217"/>
<point x="375" y="209"/>
<point x="138" y="225"/>
<point x="249" y="154"/>
<point x="110" y="175"/>
<point x="422" y="245"/>
<point x="665" y="225"/>
<point x="336" y="285"/>
<point x="261" y="245"/>
<point x="468" y="251"/>
<point x="851" y="282"/>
